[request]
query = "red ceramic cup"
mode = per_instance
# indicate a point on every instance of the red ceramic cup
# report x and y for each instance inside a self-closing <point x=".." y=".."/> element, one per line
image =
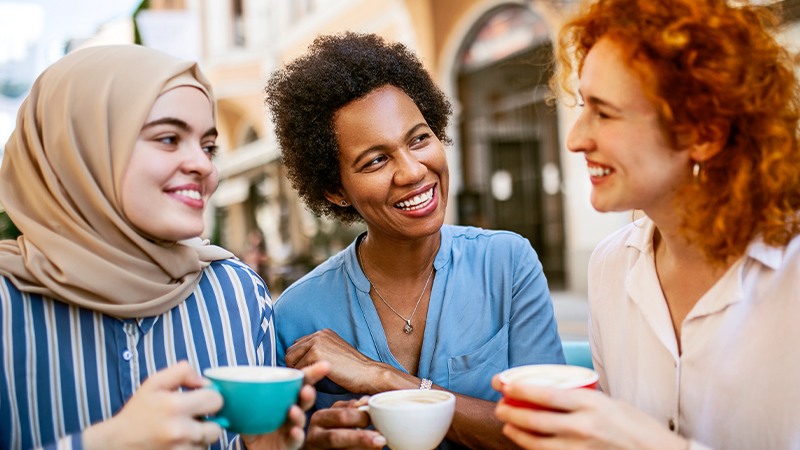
<point x="557" y="376"/>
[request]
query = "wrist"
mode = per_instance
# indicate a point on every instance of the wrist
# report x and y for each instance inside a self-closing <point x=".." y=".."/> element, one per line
<point x="388" y="378"/>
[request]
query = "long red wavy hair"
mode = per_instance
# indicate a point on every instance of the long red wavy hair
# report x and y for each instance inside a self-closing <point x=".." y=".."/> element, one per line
<point x="715" y="72"/>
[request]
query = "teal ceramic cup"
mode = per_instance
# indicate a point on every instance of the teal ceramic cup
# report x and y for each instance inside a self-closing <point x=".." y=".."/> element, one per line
<point x="256" y="398"/>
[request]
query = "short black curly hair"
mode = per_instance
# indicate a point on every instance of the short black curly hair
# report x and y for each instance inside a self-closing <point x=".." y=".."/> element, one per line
<point x="304" y="95"/>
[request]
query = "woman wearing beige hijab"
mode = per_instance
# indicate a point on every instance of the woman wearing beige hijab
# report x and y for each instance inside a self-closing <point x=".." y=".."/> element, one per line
<point x="110" y="306"/>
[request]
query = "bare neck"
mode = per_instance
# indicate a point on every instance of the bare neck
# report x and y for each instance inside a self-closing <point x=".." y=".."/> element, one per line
<point x="406" y="259"/>
<point x="684" y="273"/>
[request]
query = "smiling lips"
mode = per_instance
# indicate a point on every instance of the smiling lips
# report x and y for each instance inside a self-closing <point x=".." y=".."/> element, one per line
<point x="598" y="171"/>
<point x="416" y="202"/>
<point x="192" y="194"/>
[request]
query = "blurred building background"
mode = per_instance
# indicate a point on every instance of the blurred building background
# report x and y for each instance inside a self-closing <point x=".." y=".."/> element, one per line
<point x="509" y="166"/>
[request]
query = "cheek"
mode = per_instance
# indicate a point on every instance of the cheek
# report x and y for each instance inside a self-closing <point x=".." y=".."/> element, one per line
<point x="440" y="165"/>
<point x="213" y="181"/>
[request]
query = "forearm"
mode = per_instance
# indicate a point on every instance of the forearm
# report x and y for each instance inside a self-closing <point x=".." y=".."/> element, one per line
<point x="387" y="378"/>
<point x="475" y="425"/>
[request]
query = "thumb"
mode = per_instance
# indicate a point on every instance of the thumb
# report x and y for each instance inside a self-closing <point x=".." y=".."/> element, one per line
<point x="316" y="371"/>
<point x="174" y="377"/>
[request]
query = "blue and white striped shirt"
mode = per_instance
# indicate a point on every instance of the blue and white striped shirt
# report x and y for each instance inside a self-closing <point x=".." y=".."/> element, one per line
<point x="65" y="368"/>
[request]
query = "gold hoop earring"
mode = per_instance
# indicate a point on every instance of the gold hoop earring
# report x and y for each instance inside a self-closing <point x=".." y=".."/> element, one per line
<point x="343" y="203"/>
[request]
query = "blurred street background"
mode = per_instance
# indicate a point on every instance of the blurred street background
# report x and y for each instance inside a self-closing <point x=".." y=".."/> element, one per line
<point x="508" y="164"/>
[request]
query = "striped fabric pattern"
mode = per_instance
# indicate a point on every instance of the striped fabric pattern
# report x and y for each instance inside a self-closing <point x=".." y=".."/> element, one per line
<point x="65" y="368"/>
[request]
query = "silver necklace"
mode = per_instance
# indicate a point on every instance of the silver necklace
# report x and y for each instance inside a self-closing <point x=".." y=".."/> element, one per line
<point x="408" y="328"/>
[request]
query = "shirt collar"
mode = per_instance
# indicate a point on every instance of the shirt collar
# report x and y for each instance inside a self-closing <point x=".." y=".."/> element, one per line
<point x="642" y="236"/>
<point x="642" y="239"/>
<point x="765" y="254"/>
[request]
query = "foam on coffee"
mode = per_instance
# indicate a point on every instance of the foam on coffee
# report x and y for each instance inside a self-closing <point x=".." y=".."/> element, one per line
<point x="550" y="375"/>
<point x="251" y="374"/>
<point x="410" y="400"/>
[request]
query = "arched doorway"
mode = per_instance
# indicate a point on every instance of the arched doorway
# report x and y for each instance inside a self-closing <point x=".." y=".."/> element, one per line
<point x="509" y="134"/>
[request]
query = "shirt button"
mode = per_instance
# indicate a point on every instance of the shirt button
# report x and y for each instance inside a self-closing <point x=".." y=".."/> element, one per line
<point x="127" y="355"/>
<point x="671" y="425"/>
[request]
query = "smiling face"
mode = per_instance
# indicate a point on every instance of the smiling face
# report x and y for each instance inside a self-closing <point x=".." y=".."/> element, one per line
<point x="170" y="176"/>
<point x="631" y="164"/>
<point x="393" y="168"/>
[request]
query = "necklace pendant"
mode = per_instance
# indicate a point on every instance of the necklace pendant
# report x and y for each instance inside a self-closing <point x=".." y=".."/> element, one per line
<point x="408" y="328"/>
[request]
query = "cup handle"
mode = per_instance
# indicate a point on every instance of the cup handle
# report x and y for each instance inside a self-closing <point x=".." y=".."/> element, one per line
<point x="219" y="420"/>
<point x="364" y="408"/>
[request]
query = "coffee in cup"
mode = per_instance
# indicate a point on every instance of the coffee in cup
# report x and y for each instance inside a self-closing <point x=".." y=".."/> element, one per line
<point x="557" y="376"/>
<point x="256" y="399"/>
<point x="412" y="419"/>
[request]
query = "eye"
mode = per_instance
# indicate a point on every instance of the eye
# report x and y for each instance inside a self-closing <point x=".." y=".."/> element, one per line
<point x="602" y="114"/>
<point x="168" y="140"/>
<point x="420" y="139"/>
<point x="375" y="162"/>
<point x="211" y="150"/>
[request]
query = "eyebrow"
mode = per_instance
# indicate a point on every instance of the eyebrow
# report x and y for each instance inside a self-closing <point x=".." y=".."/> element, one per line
<point x="180" y="124"/>
<point x="408" y="134"/>
<point x="597" y="101"/>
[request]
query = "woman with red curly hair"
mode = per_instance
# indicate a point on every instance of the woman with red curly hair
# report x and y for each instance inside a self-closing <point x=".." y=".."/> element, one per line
<point x="690" y="115"/>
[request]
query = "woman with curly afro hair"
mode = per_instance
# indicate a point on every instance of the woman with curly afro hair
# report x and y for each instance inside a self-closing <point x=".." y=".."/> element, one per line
<point x="411" y="303"/>
<point x="689" y="114"/>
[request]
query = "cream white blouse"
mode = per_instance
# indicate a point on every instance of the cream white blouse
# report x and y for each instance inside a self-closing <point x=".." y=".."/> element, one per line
<point x="737" y="383"/>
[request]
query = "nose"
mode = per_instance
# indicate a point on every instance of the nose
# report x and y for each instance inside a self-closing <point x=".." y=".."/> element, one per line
<point x="197" y="160"/>
<point x="410" y="170"/>
<point x="580" y="137"/>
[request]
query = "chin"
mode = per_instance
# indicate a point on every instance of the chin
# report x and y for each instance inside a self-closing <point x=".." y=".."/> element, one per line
<point x="602" y="207"/>
<point x="182" y="234"/>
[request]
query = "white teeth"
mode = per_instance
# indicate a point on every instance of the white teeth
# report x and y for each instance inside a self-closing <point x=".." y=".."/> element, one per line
<point x="416" y="202"/>
<point x="599" y="171"/>
<point x="189" y="193"/>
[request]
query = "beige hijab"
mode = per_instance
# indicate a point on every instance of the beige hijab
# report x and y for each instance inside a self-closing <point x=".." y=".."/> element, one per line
<point x="60" y="182"/>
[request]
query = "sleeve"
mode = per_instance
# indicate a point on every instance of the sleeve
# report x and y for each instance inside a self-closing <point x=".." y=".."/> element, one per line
<point x="284" y="327"/>
<point x="236" y="443"/>
<point x="69" y="442"/>
<point x="266" y="344"/>
<point x="594" y="329"/>
<point x="533" y="332"/>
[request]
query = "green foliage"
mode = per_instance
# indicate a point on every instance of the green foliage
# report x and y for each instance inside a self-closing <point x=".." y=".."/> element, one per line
<point x="7" y="228"/>
<point x="137" y="37"/>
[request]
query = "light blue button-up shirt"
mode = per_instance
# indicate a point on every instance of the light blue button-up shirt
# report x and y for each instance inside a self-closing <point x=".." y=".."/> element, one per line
<point x="490" y="309"/>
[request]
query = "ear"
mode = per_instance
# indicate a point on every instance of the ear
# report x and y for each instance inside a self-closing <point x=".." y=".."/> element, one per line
<point x="715" y="140"/>
<point x="336" y="198"/>
<point x="705" y="151"/>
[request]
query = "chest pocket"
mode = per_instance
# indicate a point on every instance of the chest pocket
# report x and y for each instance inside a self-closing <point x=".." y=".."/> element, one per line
<point x="471" y="374"/>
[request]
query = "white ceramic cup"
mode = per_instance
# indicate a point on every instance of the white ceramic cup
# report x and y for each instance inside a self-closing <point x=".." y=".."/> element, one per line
<point x="412" y="419"/>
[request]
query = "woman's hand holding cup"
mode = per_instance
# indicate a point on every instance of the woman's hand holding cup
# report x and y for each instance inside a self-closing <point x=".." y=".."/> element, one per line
<point x="265" y="404"/>
<point x="557" y="407"/>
